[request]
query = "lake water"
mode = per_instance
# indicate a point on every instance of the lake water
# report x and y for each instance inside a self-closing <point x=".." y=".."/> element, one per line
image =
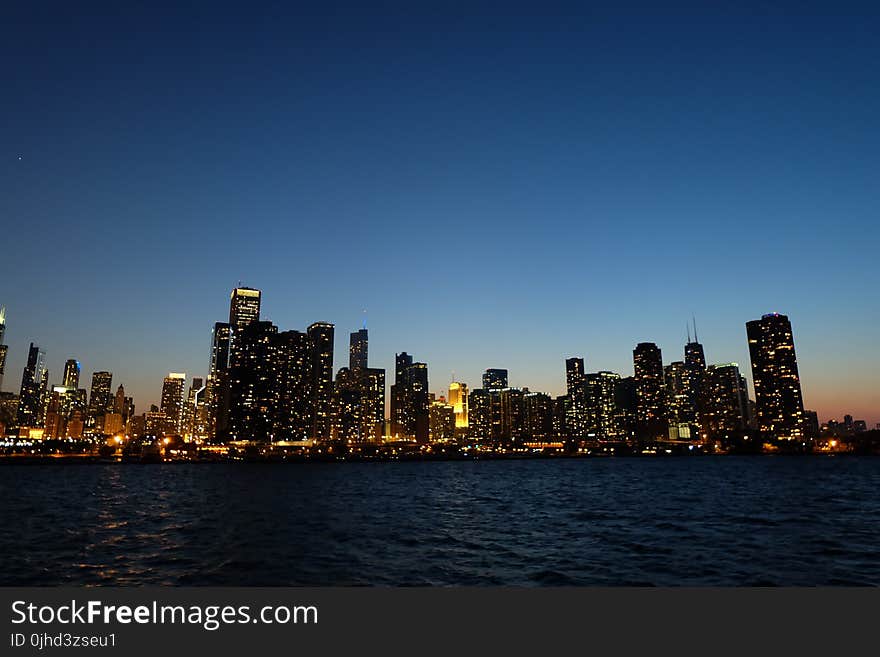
<point x="617" y="521"/>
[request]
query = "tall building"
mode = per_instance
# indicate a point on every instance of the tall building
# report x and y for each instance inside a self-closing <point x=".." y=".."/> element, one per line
<point x="458" y="398"/>
<point x="357" y="350"/>
<point x="576" y="411"/>
<point x="495" y="379"/>
<point x="293" y="412"/>
<point x="371" y="381"/>
<point x="409" y="398"/>
<point x="3" y="347"/>
<point x="650" y="397"/>
<point x="321" y="348"/>
<point x="574" y="374"/>
<point x="252" y="379"/>
<point x="99" y="396"/>
<point x="71" y="374"/>
<point x="172" y="403"/>
<point x="217" y="388"/>
<point x="778" y="401"/>
<point x="30" y="397"/>
<point x="244" y="307"/>
<point x="537" y="417"/>
<point x="726" y="410"/>
<point x="441" y="420"/>
<point x="695" y="363"/>
<point x="600" y="395"/>
<point x="680" y="402"/>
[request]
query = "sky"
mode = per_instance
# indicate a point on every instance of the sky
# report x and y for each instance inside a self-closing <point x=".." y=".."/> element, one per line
<point x="497" y="185"/>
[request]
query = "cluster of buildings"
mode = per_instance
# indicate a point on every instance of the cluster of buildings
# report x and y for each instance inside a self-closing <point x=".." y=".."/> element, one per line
<point x="278" y="387"/>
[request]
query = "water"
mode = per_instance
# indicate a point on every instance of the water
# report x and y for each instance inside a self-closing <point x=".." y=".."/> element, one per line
<point x="621" y="521"/>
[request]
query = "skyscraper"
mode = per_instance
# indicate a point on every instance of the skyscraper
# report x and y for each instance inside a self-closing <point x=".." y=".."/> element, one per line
<point x="3" y="347"/>
<point x="30" y="401"/>
<point x="650" y="406"/>
<point x="576" y="412"/>
<point x="600" y="395"/>
<point x="71" y="374"/>
<point x="217" y="389"/>
<point x="458" y="398"/>
<point x="574" y="373"/>
<point x="778" y="400"/>
<point x="680" y="406"/>
<point x="409" y="398"/>
<point x="252" y="383"/>
<point x="495" y="379"/>
<point x="293" y="413"/>
<point x="321" y="348"/>
<point x="99" y="396"/>
<point x="726" y="410"/>
<point x="172" y="403"/>
<point x="357" y="351"/>
<point x="244" y="307"/>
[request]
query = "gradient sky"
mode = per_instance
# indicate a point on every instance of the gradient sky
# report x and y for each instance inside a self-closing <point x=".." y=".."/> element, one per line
<point x="498" y="185"/>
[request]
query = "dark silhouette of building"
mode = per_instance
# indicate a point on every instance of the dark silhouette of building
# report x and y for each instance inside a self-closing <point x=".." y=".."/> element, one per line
<point x="321" y="348"/>
<point x="726" y="411"/>
<point x="495" y="379"/>
<point x="650" y="396"/>
<point x="100" y="397"/>
<point x="71" y="374"/>
<point x="409" y="399"/>
<point x="30" y="396"/>
<point x="357" y="350"/>
<point x="778" y="401"/>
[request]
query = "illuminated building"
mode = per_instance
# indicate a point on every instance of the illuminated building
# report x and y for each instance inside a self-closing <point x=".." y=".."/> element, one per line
<point x="292" y="416"/>
<point x="112" y="423"/>
<point x="372" y="389"/>
<point x="495" y="379"/>
<point x="650" y="396"/>
<point x="778" y="401"/>
<point x="3" y="347"/>
<point x="458" y="398"/>
<point x="726" y="403"/>
<point x="119" y="401"/>
<point x="217" y="389"/>
<point x="576" y="411"/>
<point x="409" y="399"/>
<point x="680" y="402"/>
<point x="194" y="410"/>
<point x="321" y="348"/>
<point x="346" y="414"/>
<point x="171" y="404"/>
<point x="441" y="421"/>
<point x="99" y="396"/>
<point x="560" y="417"/>
<point x="600" y="395"/>
<point x="252" y="376"/>
<point x="155" y="423"/>
<point x="71" y="374"/>
<point x="30" y="397"/>
<point x="537" y="417"/>
<point x="479" y="416"/>
<point x="357" y="350"/>
<point x="244" y="307"/>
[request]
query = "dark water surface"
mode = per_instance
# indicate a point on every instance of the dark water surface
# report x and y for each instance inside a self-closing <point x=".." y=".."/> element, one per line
<point x="621" y="521"/>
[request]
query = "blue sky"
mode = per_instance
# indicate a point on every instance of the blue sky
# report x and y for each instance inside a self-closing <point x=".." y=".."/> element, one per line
<point x="497" y="188"/>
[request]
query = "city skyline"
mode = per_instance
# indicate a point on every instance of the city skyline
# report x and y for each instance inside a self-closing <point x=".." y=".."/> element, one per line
<point x="574" y="370"/>
<point x="496" y="189"/>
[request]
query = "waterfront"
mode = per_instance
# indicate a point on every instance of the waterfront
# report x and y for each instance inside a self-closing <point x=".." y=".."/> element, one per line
<point x="679" y="521"/>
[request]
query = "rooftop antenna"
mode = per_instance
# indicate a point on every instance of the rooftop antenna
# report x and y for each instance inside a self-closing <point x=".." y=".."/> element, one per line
<point x="365" y="319"/>
<point x="696" y="339"/>
<point x="689" y="333"/>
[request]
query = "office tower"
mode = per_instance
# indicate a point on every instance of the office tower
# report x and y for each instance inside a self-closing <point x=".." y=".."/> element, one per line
<point x="512" y="415"/>
<point x="345" y="423"/>
<point x="409" y="398"/>
<point x="695" y="363"/>
<point x="574" y="374"/>
<point x="71" y="374"/>
<point x="217" y="389"/>
<point x="626" y="405"/>
<point x="3" y="347"/>
<point x="778" y="400"/>
<point x="194" y="398"/>
<point x="357" y="350"/>
<point x="293" y="416"/>
<point x="458" y="397"/>
<point x="495" y="379"/>
<point x="244" y="307"/>
<point x="600" y="394"/>
<point x="811" y="424"/>
<point x="680" y="402"/>
<point x="252" y="383"/>
<point x="30" y="397"/>
<point x="560" y="417"/>
<point x="726" y="410"/>
<point x="372" y="390"/>
<point x="172" y="402"/>
<point x="479" y="421"/>
<point x="650" y="406"/>
<point x="119" y="401"/>
<point x="99" y="397"/>
<point x="441" y="420"/>
<point x="537" y="417"/>
<point x="321" y="349"/>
